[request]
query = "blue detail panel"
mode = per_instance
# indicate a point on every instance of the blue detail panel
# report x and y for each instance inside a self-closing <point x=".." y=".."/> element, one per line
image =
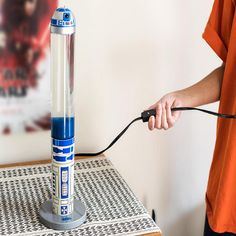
<point x="62" y="143"/>
<point x="63" y="9"/>
<point x="67" y="16"/>
<point x="62" y="127"/>
<point x="70" y="158"/>
<point x="64" y="210"/>
<point x="63" y="158"/>
<point x="62" y="23"/>
<point x="64" y="182"/>
<point x="53" y="21"/>
<point x="66" y="218"/>
<point x="64" y="150"/>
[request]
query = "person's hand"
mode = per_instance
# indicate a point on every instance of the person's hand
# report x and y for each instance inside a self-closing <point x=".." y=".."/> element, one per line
<point x="165" y="119"/>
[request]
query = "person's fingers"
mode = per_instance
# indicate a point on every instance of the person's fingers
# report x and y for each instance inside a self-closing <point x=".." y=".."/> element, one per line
<point x="158" y="116"/>
<point x="164" y="123"/>
<point x="176" y="114"/>
<point x="151" y="123"/>
<point x="170" y="119"/>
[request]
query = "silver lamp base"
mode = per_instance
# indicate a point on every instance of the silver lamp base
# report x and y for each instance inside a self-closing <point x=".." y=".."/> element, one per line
<point x="57" y="222"/>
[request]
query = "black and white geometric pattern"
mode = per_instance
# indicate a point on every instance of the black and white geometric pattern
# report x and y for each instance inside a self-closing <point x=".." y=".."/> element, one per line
<point x="112" y="208"/>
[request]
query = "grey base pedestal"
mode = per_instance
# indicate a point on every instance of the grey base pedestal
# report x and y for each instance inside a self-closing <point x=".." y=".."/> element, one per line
<point x="57" y="222"/>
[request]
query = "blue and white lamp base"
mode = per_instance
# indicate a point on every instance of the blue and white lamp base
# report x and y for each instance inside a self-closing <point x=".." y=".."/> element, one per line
<point x="62" y="212"/>
<point x="57" y="222"/>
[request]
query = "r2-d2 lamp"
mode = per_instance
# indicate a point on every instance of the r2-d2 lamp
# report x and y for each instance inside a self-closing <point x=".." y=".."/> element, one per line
<point x="63" y="211"/>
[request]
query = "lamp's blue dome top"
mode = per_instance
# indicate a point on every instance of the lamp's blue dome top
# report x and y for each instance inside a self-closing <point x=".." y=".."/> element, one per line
<point x="63" y="21"/>
<point x="63" y="9"/>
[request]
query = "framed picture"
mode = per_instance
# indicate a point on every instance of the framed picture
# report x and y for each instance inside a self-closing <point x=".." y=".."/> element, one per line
<point x="24" y="65"/>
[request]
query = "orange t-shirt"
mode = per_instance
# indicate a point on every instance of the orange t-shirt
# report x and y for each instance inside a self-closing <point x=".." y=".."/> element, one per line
<point x="220" y="34"/>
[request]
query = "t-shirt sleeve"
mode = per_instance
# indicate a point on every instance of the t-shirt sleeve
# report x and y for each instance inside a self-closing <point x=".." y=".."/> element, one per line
<point x="218" y="29"/>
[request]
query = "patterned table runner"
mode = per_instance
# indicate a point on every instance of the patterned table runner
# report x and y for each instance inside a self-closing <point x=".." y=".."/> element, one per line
<point x="112" y="208"/>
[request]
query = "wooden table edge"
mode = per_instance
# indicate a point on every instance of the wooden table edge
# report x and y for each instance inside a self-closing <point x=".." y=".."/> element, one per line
<point x="38" y="162"/>
<point x="153" y="234"/>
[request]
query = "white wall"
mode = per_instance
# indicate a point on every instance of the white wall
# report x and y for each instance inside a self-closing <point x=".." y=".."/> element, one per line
<point x="129" y="53"/>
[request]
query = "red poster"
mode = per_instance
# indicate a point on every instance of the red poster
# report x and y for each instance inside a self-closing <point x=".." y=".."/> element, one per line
<point x="24" y="65"/>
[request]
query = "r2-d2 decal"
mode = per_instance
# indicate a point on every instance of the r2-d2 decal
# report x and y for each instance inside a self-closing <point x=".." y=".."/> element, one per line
<point x="63" y="176"/>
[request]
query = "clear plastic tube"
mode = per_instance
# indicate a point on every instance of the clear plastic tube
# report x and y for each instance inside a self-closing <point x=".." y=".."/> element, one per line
<point x="62" y="86"/>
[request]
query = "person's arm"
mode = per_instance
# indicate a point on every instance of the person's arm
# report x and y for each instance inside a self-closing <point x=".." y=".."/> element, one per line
<point x="205" y="91"/>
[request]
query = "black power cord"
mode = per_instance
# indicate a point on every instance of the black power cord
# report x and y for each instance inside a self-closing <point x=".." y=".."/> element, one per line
<point x="112" y="143"/>
<point x="145" y="117"/>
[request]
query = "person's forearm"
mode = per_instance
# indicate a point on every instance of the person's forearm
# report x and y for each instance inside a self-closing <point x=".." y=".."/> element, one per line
<point x="205" y="91"/>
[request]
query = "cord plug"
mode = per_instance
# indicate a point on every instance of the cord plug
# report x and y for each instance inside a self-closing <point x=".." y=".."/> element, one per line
<point x="147" y="114"/>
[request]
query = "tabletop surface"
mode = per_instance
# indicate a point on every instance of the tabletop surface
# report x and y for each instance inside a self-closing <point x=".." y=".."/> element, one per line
<point x="112" y="208"/>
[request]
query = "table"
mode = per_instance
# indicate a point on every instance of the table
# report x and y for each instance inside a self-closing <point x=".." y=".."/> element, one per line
<point x="112" y="208"/>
